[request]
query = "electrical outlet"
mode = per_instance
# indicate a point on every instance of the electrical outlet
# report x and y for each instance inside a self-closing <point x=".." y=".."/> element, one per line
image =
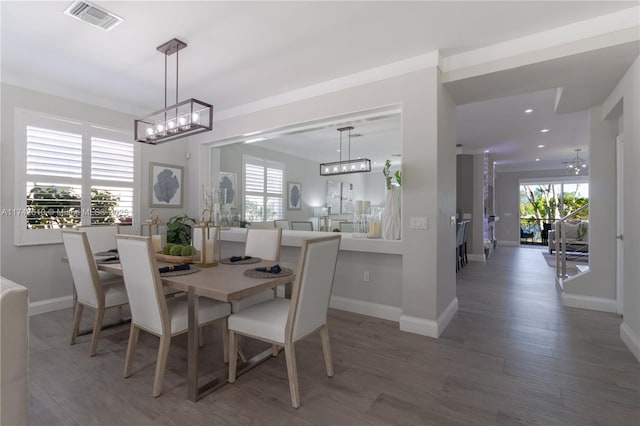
<point x="418" y="223"/>
<point x="365" y="277"/>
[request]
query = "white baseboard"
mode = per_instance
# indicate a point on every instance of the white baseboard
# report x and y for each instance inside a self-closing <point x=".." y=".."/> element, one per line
<point x="588" y="302"/>
<point x="631" y="339"/>
<point x="447" y="315"/>
<point x="391" y="313"/>
<point x="476" y="257"/>
<point x="417" y="325"/>
<point x="508" y="243"/>
<point x="50" y="305"/>
<point x="427" y="327"/>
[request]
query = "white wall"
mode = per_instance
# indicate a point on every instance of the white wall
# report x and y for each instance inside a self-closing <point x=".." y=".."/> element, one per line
<point x="625" y="98"/>
<point x="39" y="267"/>
<point x="600" y="281"/>
<point x="428" y="178"/>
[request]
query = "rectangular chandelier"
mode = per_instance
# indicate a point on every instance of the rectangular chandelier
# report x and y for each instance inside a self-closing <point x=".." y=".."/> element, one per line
<point x="186" y="118"/>
<point x="181" y="119"/>
<point x="360" y="165"/>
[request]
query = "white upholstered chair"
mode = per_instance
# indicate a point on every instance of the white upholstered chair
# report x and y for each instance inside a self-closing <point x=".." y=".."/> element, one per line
<point x="265" y="244"/>
<point x="101" y="238"/>
<point x="346" y="226"/>
<point x="302" y="226"/>
<point x="150" y="311"/>
<point x="90" y="290"/>
<point x="283" y="322"/>
<point x="281" y="223"/>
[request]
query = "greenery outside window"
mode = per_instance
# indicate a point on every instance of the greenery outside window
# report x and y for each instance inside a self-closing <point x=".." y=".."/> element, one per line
<point x="71" y="173"/>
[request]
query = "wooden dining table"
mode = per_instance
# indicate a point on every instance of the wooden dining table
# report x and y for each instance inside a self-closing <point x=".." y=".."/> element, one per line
<point x="224" y="283"/>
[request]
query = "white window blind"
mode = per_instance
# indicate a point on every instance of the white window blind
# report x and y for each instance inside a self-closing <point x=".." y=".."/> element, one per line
<point x="73" y="173"/>
<point x="263" y="190"/>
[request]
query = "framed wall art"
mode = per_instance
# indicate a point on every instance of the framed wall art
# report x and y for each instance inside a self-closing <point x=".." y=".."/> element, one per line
<point x="294" y="196"/>
<point x="229" y="189"/>
<point x="165" y="185"/>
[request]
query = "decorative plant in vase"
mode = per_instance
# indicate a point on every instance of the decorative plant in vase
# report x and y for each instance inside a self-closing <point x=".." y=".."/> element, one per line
<point x="391" y="222"/>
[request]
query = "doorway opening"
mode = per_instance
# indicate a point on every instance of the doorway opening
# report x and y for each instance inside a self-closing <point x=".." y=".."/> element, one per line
<point x="543" y="203"/>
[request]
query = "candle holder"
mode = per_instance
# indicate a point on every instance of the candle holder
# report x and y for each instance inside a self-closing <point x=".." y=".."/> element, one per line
<point x="156" y="229"/>
<point x="205" y="240"/>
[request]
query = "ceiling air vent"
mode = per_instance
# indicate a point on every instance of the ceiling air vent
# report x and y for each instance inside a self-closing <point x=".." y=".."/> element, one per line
<point x="92" y="14"/>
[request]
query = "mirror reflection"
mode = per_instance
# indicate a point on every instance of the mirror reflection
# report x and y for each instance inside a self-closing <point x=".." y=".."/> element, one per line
<point x="275" y="177"/>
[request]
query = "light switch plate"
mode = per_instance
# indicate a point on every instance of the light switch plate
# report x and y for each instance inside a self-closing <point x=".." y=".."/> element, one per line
<point x="419" y="223"/>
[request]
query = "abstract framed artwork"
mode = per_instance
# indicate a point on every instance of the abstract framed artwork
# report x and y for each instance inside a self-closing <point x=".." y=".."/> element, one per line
<point x="294" y="196"/>
<point x="229" y="189"/>
<point x="165" y="185"/>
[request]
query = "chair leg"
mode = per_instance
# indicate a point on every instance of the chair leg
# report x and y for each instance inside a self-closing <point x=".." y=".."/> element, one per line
<point x="225" y="339"/>
<point x="134" y="332"/>
<point x="161" y="365"/>
<point x="292" y="371"/>
<point x="201" y="336"/>
<point x="97" y="327"/>
<point x="274" y="350"/>
<point x="326" y="349"/>
<point x="233" y="356"/>
<point x="76" y="322"/>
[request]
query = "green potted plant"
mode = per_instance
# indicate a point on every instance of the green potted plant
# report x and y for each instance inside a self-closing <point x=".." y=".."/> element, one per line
<point x="179" y="229"/>
<point x="391" y="216"/>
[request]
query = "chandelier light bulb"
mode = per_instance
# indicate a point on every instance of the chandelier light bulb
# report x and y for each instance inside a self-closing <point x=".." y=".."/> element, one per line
<point x="182" y="121"/>
<point x="171" y="124"/>
<point x="195" y="117"/>
<point x="149" y="131"/>
<point x="159" y="128"/>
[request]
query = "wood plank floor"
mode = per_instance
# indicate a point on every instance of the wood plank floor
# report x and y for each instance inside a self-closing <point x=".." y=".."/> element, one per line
<point x="511" y="355"/>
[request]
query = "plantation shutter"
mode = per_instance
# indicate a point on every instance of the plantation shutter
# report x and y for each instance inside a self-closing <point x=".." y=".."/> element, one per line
<point x="263" y="190"/>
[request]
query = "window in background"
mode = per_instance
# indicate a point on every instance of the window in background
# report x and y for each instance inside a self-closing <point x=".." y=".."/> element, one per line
<point x="263" y="189"/>
<point x="74" y="173"/>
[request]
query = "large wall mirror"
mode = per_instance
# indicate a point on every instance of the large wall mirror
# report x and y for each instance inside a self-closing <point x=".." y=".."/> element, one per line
<point x="276" y="174"/>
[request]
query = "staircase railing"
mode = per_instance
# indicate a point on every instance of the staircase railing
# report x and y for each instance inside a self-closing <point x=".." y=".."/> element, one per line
<point x="561" y="243"/>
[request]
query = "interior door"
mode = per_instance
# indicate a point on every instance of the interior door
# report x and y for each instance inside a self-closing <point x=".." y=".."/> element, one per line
<point x="620" y="222"/>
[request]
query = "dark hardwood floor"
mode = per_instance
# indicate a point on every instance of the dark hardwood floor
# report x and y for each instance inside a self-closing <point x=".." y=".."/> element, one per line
<point x="511" y="355"/>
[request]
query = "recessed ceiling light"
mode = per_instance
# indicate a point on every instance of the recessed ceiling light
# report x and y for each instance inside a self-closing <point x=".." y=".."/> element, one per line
<point x="537" y="159"/>
<point x="338" y="150"/>
<point x="540" y="146"/>
<point x="486" y="151"/>
<point x="528" y="110"/>
<point x="544" y="130"/>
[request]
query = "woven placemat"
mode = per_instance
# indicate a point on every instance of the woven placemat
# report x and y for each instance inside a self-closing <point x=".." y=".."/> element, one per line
<point x="107" y="261"/>
<point x="106" y="253"/>
<point x="227" y="261"/>
<point x="192" y="269"/>
<point x="259" y="274"/>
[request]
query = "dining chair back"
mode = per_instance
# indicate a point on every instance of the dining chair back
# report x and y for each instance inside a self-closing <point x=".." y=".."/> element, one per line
<point x="346" y="226"/>
<point x="151" y="312"/>
<point x="101" y="237"/>
<point x="281" y="223"/>
<point x="282" y="322"/>
<point x="90" y="290"/>
<point x="263" y="243"/>
<point x="142" y="280"/>
<point x="313" y="285"/>
<point x="302" y="226"/>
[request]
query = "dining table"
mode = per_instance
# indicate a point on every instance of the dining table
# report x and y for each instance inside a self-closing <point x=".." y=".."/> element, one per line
<point x="225" y="283"/>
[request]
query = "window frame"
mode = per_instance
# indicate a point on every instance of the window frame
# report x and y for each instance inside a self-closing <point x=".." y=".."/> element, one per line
<point x="266" y="164"/>
<point x="87" y="130"/>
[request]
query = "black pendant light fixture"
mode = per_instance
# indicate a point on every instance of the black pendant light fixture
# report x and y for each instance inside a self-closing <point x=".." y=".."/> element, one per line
<point x="182" y="119"/>
<point x="360" y="165"/>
